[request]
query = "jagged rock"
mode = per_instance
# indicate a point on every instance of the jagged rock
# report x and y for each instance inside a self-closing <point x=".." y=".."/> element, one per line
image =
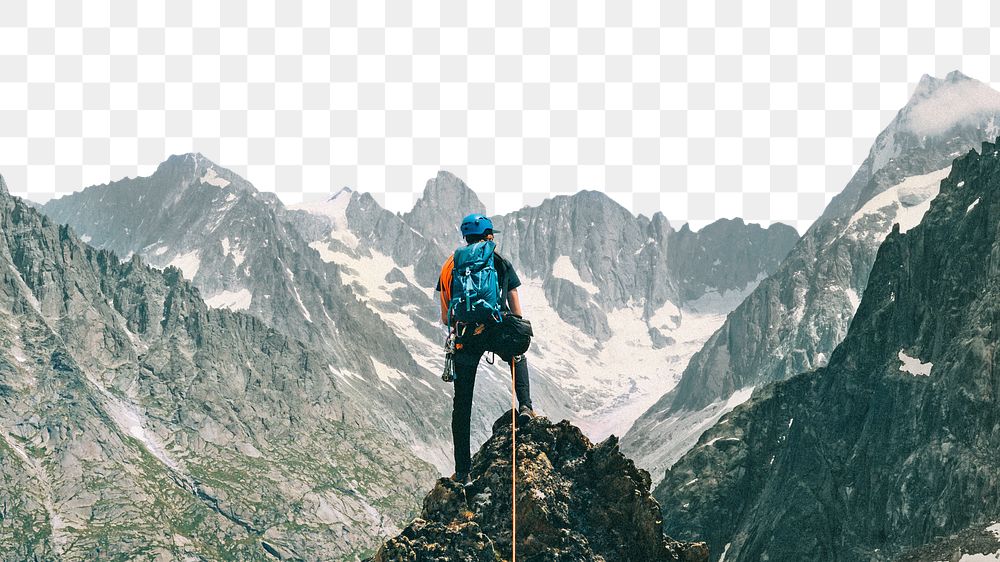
<point x="575" y="501"/>
<point x="245" y="251"/>
<point x="891" y="446"/>
<point x="978" y="542"/>
<point x="137" y="422"/>
<point x="793" y="319"/>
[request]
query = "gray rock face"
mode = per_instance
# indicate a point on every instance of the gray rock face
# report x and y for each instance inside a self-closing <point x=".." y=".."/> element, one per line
<point x="582" y="258"/>
<point x="445" y="201"/>
<point x="632" y="259"/>
<point x="137" y="422"/>
<point x="245" y="251"/>
<point x="889" y="446"/>
<point x="795" y="318"/>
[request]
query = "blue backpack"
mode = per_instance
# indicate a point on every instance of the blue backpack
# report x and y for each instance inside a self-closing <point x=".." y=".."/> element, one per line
<point x="475" y="291"/>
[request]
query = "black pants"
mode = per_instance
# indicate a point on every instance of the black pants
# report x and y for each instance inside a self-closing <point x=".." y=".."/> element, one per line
<point x="466" y="364"/>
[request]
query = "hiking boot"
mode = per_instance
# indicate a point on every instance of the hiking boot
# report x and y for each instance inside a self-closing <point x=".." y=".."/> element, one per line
<point x="525" y="414"/>
<point x="463" y="479"/>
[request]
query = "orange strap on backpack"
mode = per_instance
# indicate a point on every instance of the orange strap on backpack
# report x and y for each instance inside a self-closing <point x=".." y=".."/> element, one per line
<point x="444" y="279"/>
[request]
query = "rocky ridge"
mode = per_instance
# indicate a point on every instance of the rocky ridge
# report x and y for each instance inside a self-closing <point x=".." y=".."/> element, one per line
<point x="242" y="249"/>
<point x="135" y="421"/>
<point x="889" y="447"/>
<point x="575" y="501"/>
<point x="793" y="319"/>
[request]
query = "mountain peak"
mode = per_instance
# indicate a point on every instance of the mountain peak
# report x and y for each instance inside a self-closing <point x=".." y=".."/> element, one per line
<point x="446" y="199"/>
<point x="591" y="196"/>
<point x="344" y="191"/>
<point x="938" y="104"/>
<point x="575" y="501"/>
<point x="194" y="168"/>
<point x="928" y="84"/>
<point x="190" y="159"/>
<point x="956" y="76"/>
<point x="3" y="186"/>
<point x="447" y="187"/>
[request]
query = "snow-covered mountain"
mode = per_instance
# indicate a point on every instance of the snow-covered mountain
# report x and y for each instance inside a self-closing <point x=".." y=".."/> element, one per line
<point x="794" y="318"/>
<point x="618" y="303"/>
<point x="889" y="451"/>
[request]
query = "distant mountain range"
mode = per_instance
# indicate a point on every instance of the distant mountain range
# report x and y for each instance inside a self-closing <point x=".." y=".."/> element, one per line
<point x="793" y="320"/>
<point x="619" y="303"/>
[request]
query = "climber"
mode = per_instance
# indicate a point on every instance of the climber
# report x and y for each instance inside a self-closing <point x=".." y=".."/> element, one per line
<point x="476" y="323"/>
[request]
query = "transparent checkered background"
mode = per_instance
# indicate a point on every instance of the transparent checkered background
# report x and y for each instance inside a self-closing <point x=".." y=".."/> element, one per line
<point x="700" y="109"/>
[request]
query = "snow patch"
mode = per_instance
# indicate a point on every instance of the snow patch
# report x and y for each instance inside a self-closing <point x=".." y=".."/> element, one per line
<point x="852" y="297"/>
<point x="725" y="550"/>
<point x="212" y="178"/>
<point x="229" y="248"/>
<point x="188" y="264"/>
<point x="386" y="373"/>
<point x="233" y="300"/>
<point x="616" y="381"/>
<point x="85" y="239"/>
<point x="563" y="268"/>
<point x="131" y="421"/>
<point x="913" y="365"/>
<point x="973" y="205"/>
<point x="334" y="208"/>
<point x="723" y="439"/>
<point x="960" y="184"/>
<point x="904" y="203"/>
<point x="18" y="355"/>
<point x="995" y="529"/>
<point x="344" y="374"/>
<point x="160" y="251"/>
<point x="369" y="273"/>
<point x="666" y="317"/>
<point x="298" y="298"/>
<point x="16" y="448"/>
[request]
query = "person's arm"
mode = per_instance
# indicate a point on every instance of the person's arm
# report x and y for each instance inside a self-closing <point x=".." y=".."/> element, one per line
<point x="444" y="312"/>
<point x="515" y="301"/>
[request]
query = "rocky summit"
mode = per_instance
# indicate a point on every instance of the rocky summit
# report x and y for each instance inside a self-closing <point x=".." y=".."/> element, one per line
<point x="575" y="501"/>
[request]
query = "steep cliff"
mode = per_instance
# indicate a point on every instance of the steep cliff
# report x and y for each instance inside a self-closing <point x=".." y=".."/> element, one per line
<point x="892" y="444"/>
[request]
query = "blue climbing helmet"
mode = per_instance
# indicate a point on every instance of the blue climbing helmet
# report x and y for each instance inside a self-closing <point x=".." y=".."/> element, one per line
<point x="476" y="223"/>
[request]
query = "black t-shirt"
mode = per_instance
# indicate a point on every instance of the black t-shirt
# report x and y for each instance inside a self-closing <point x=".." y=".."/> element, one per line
<point x="507" y="279"/>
